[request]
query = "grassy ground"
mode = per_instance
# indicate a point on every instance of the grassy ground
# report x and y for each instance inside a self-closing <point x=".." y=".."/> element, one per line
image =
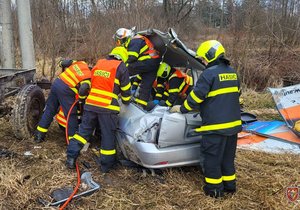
<point x="262" y="178"/>
<point x="261" y="104"/>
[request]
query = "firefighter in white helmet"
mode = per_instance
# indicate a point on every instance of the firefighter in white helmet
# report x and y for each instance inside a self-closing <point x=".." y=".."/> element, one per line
<point x="143" y="60"/>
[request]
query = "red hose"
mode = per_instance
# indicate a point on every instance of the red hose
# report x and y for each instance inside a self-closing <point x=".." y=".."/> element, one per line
<point x="77" y="168"/>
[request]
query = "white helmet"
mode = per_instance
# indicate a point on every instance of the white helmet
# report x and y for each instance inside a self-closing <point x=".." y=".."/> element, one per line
<point x="123" y="34"/>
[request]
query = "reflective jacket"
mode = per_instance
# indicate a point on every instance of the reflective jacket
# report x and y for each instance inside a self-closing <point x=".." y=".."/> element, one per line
<point x="109" y="79"/>
<point x="60" y="118"/>
<point x="140" y="48"/>
<point x="75" y="75"/>
<point x="178" y="84"/>
<point x="216" y="95"/>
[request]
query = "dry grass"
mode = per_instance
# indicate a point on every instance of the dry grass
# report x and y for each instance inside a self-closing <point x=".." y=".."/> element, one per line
<point x="262" y="177"/>
<point x="261" y="104"/>
<point x="262" y="180"/>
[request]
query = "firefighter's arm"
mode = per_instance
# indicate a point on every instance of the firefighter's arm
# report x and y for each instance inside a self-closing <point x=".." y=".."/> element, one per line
<point x="134" y="48"/>
<point x="198" y="95"/>
<point x="84" y="89"/>
<point x="160" y="88"/>
<point x="125" y="85"/>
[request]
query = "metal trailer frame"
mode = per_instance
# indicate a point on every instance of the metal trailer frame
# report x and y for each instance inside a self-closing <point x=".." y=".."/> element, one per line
<point x="30" y="100"/>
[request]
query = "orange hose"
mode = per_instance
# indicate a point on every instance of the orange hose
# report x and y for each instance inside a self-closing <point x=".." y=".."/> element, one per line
<point x="77" y="168"/>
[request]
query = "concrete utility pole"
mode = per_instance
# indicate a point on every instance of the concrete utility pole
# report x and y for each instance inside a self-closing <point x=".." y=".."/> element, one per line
<point x="25" y="32"/>
<point x="7" y="47"/>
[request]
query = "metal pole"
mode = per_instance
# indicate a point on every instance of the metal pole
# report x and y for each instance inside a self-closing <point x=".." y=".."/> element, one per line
<point x="25" y="32"/>
<point x="7" y="49"/>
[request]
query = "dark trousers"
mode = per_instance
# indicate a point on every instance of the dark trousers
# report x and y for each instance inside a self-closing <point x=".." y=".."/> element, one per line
<point x="108" y="124"/>
<point x="60" y="95"/>
<point x="148" y="71"/>
<point x="219" y="154"/>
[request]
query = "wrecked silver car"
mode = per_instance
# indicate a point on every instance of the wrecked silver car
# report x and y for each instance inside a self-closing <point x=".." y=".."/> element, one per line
<point x="160" y="139"/>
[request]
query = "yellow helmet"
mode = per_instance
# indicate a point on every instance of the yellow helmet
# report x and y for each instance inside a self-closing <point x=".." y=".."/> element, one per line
<point x="163" y="70"/>
<point x="210" y="50"/>
<point x="120" y="53"/>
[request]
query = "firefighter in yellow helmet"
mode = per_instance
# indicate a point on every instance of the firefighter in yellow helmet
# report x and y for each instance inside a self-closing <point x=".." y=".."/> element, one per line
<point x="109" y="80"/>
<point x="216" y="94"/>
<point x="173" y="85"/>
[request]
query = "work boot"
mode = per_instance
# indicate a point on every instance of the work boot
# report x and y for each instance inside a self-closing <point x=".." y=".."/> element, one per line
<point x="230" y="191"/>
<point x="71" y="163"/>
<point x="214" y="193"/>
<point x="230" y="186"/>
<point x="106" y="168"/>
<point x="39" y="136"/>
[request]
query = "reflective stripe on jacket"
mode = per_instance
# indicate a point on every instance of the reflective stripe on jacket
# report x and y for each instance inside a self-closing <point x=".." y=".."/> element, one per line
<point x="60" y="118"/>
<point x="141" y="51"/>
<point x="216" y="94"/>
<point x="75" y="73"/>
<point x="187" y="81"/>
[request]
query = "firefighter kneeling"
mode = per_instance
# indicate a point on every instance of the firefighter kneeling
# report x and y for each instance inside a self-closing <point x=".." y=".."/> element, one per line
<point x="109" y="78"/>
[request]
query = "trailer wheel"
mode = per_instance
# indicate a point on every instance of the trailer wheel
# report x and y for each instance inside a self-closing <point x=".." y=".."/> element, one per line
<point x="27" y="111"/>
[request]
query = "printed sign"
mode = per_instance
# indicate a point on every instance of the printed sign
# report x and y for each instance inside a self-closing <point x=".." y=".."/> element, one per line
<point x="287" y="100"/>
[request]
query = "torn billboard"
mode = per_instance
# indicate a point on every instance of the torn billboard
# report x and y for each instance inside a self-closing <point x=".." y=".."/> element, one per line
<point x="269" y="136"/>
<point x="287" y="100"/>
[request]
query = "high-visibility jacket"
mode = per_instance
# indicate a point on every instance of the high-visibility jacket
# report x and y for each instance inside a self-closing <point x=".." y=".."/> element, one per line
<point x="178" y="84"/>
<point x="77" y="73"/>
<point x="109" y="78"/>
<point x="60" y="118"/>
<point x="140" y="48"/>
<point x="216" y="94"/>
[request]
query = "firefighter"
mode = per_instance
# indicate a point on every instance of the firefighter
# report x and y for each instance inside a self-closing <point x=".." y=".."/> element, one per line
<point x="216" y="95"/>
<point x="74" y="79"/>
<point x="110" y="78"/>
<point x="143" y="60"/>
<point x="172" y="85"/>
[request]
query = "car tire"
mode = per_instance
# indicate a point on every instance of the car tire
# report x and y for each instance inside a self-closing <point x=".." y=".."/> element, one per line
<point x="27" y="111"/>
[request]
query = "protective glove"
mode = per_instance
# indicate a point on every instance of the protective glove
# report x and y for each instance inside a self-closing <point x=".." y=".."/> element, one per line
<point x="175" y="109"/>
<point x="155" y="102"/>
